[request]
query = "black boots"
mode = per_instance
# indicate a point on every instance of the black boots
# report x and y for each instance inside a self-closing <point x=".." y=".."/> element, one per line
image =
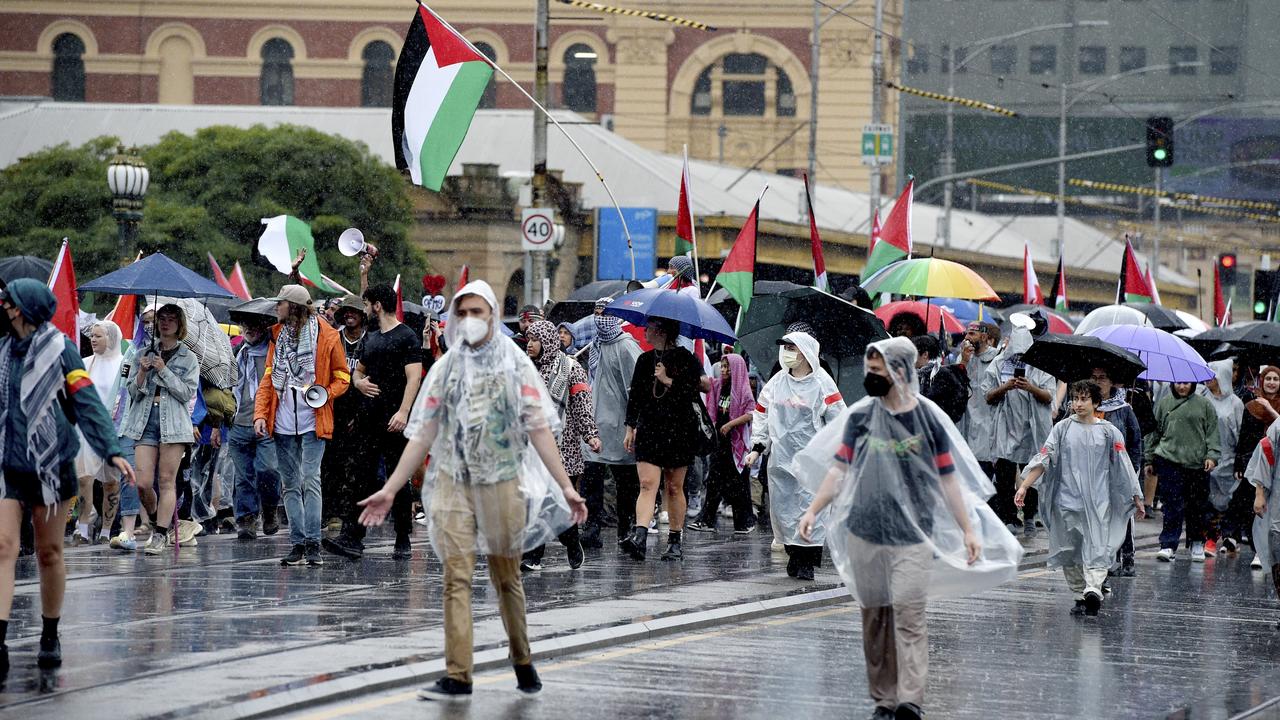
<point x="634" y="544"/>
<point x="270" y="520"/>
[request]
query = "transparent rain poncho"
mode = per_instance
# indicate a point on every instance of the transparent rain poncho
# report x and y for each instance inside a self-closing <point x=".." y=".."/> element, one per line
<point x="1086" y="492"/>
<point x="486" y="489"/>
<point x="1230" y="411"/>
<point x="1261" y="472"/>
<point x="892" y="526"/>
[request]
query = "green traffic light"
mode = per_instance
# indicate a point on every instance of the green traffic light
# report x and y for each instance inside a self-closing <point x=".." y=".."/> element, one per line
<point x="1259" y="308"/>
<point x="1159" y="153"/>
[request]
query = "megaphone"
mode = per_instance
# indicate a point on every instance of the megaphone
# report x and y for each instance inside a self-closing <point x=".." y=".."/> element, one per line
<point x="351" y="243"/>
<point x="315" y="396"/>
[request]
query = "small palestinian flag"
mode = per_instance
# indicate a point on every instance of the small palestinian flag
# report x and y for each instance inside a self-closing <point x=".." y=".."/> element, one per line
<point x="1059" y="292"/>
<point x="1133" y="284"/>
<point x="282" y="238"/>
<point x="894" y="241"/>
<point x="686" y="235"/>
<point x="440" y="79"/>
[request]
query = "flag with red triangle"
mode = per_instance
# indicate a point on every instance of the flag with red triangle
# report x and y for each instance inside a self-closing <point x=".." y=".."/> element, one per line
<point x="125" y="315"/>
<point x="815" y="243"/>
<point x="62" y="281"/>
<point x="686" y="235"/>
<point x="218" y="277"/>
<point x="894" y="241"/>
<point x="239" y="287"/>
<point x="1133" y="285"/>
<point x="1221" y="310"/>
<point x="1059" y="291"/>
<point x="737" y="274"/>
<point x="875" y="233"/>
<point x="399" y="300"/>
<point x="1031" y="292"/>
<point x="1151" y="285"/>
<point x="463" y="277"/>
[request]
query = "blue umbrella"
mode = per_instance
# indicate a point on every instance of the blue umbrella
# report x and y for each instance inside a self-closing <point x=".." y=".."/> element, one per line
<point x="155" y="275"/>
<point x="967" y="311"/>
<point x="697" y="319"/>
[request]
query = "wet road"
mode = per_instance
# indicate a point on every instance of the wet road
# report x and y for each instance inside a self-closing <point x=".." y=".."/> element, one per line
<point x="1179" y="641"/>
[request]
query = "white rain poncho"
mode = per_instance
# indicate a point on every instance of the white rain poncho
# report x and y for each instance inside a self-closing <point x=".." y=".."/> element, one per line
<point x="1261" y="472"/>
<point x="1086" y="492"/>
<point x="486" y="490"/>
<point x="979" y="418"/>
<point x="1230" y="410"/>
<point x="1019" y="421"/>
<point x="788" y="413"/>
<point x="902" y="481"/>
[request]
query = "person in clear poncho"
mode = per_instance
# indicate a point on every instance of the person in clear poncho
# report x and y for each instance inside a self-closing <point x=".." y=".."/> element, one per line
<point x="1088" y="492"/>
<point x="1224" y="481"/>
<point x="793" y="406"/>
<point x="495" y="483"/>
<point x="907" y="520"/>
<point x="1261" y="472"/>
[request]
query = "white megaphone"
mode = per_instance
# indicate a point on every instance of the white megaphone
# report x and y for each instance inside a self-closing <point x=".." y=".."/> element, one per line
<point x="315" y="396"/>
<point x="351" y="243"/>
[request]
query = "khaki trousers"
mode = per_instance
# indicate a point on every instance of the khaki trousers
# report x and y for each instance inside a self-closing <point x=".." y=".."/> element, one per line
<point x="1082" y="579"/>
<point x="457" y="512"/>
<point x="892" y="583"/>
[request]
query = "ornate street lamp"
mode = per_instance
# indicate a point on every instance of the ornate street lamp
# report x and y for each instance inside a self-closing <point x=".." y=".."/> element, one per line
<point x="128" y="177"/>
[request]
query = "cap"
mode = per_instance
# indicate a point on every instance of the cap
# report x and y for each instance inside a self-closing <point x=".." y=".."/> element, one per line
<point x="295" y="294"/>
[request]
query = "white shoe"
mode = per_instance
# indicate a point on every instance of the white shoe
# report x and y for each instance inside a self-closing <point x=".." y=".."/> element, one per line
<point x="1165" y="555"/>
<point x="1256" y="563"/>
<point x="777" y="547"/>
<point x="664" y="518"/>
<point x="1197" y="552"/>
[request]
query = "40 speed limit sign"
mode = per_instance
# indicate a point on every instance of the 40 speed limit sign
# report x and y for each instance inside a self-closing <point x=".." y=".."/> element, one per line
<point x="537" y="229"/>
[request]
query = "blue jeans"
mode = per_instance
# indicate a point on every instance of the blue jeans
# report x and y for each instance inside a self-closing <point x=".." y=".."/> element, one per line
<point x="300" y="457"/>
<point x="257" y="479"/>
<point x="130" y="501"/>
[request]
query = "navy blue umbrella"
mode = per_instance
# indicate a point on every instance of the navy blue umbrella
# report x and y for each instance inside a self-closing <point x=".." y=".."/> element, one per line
<point x="155" y="275"/>
<point x="697" y="319"/>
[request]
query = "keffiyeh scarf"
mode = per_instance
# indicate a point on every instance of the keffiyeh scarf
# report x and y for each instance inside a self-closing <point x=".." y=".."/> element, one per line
<point x="295" y="356"/>
<point x="38" y="397"/>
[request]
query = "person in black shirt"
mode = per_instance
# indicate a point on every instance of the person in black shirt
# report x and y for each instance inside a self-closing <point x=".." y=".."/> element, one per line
<point x="388" y="376"/>
<point x="339" y="459"/>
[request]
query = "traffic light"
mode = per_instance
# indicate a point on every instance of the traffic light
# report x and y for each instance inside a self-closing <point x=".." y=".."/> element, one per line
<point x="1264" y="293"/>
<point x="1159" y="142"/>
<point x="1227" y="270"/>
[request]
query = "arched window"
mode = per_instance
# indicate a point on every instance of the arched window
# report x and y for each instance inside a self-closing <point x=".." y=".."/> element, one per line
<point x="276" y="87"/>
<point x="748" y="85"/>
<point x="701" y="103"/>
<point x="785" y="100"/>
<point x="744" y="83"/>
<point x="375" y="82"/>
<point x="489" y="99"/>
<point x="578" y="92"/>
<point x="68" y="68"/>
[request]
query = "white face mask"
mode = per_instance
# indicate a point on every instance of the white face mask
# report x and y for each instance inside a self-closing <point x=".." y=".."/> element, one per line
<point x="789" y="358"/>
<point x="473" y="330"/>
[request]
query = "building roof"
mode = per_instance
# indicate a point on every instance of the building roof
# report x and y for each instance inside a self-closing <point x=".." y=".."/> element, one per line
<point x="639" y="177"/>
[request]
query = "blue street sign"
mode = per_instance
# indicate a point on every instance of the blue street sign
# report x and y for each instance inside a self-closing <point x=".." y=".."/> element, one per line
<point x="613" y="262"/>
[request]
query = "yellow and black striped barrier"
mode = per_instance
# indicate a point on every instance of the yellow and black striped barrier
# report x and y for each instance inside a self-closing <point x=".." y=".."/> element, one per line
<point x="1002" y="187"/>
<point x="647" y="14"/>
<point x="1183" y="197"/>
<point x="966" y="102"/>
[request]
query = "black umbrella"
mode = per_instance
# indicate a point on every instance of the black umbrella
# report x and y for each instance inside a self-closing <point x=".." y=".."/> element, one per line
<point x="1073" y="357"/>
<point x="25" y="266"/>
<point x="1161" y="317"/>
<point x="256" y="309"/>
<point x="582" y="302"/>
<point x="721" y="300"/>
<point x="841" y="328"/>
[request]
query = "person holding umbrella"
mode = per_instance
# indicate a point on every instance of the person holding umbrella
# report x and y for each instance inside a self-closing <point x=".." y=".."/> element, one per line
<point x="38" y="367"/>
<point x="1182" y="450"/>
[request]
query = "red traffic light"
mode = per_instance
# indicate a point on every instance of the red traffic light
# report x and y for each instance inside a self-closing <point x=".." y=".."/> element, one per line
<point x="1228" y="261"/>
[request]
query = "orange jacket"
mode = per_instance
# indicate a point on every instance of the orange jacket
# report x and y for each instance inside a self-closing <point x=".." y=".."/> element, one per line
<point x="331" y="372"/>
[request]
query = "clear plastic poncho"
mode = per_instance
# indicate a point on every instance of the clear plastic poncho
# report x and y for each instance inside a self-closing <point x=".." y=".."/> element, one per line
<point x="486" y="489"/>
<point x="892" y="528"/>
<point x="1261" y="472"/>
<point x="1086" y="492"/>
<point x="1230" y="411"/>
<point x="789" y="412"/>
<point x="1019" y="421"/>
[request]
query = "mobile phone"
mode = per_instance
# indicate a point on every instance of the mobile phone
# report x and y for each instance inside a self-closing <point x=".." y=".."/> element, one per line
<point x="1019" y="372"/>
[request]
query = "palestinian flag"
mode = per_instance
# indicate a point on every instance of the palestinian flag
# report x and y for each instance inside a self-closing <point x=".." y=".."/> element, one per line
<point x="1133" y="285"/>
<point x="283" y="237"/>
<point x="894" y="241"/>
<point x="218" y="276"/>
<point x="815" y="242"/>
<point x="737" y="274"/>
<point x="1221" y="309"/>
<point x="686" y="236"/>
<point x="1059" y="291"/>
<point x="439" y="80"/>
<point x="1031" y="293"/>
<point x="66" y="315"/>
<point x="239" y="287"/>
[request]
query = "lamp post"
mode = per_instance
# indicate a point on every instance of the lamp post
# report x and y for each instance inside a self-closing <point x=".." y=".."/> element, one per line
<point x="128" y="177"/>
<point x="973" y="50"/>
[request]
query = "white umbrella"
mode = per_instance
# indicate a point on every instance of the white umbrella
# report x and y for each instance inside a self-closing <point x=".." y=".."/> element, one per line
<point x="1111" y="315"/>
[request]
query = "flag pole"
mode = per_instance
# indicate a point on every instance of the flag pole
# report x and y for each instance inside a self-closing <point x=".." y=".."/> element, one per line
<point x="693" y="229"/>
<point x="599" y="176"/>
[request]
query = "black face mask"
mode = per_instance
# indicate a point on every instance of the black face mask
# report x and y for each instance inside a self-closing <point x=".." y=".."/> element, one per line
<point x="877" y="385"/>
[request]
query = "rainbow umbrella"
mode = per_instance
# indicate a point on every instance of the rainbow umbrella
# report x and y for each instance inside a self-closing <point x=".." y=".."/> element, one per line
<point x="930" y="277"/>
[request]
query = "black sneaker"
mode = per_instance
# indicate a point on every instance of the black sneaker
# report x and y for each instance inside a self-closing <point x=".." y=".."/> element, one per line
<point x="882" y="713"/>
<point x="446" y="689"/>
<point x="747" y="531"/>
<point x="403" y="549"/>
<point x="344" y="545"/>
<point x="270" y="520"/>
<point x="527" y="680"/>
<point x="296" y="556"/>
<point x="1092" y="602"/>
<point x="576" y="555"/>
<point x="50" y="655"/>
<point x="530" y="565"/>
<point x="1078" y="609"/>
<point x="314" y="559"/>
<point x="699" y="526"/>
<point x="804" y="573"/>
<point x="909" y="711"/>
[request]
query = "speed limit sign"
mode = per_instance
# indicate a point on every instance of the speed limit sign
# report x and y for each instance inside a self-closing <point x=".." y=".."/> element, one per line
<point x="537" y="229"/>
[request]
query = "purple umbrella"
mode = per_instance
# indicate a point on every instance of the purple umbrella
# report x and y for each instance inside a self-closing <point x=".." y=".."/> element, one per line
<point x="1168" y="357"/>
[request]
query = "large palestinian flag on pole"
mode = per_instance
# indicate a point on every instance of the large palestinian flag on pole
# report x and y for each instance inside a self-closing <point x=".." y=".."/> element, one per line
<point x="1133" y="284"/>
<point x="439" y="81"/>
<point x="894" y="241"/>
<point x="737" y="274"/>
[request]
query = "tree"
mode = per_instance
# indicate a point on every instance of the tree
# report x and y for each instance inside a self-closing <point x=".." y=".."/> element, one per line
<point x="208" y="194"/>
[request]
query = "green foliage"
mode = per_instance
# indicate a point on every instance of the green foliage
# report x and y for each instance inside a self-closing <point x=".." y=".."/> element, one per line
<point x="208" y="194"/>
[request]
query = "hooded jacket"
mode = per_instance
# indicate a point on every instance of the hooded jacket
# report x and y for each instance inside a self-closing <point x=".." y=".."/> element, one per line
<point x="1186" y="431"/>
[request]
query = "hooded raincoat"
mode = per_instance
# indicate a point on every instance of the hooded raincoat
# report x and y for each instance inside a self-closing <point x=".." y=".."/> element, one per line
<point x="1086" y="492"/>
<point x="613" y="360"/>
<point x="892" y="528"/>
<point x="487" y="489"/>
<point x="980" y="416"/>
<point x="1019" y="421"/>
<point x="788" y="413"/>
<point x="1262" y="473"/>
<point x="104" y="372"/>
<point x="1230" y="411"/>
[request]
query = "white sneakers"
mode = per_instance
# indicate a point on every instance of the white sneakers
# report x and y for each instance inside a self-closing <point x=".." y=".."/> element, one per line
<point x="1257" y="563"/>
<point x="1166" y="555"/>
<point x="1197" y="552"/>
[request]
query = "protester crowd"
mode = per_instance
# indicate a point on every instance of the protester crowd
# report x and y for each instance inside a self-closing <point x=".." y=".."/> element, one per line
<point x="325" y="412"/>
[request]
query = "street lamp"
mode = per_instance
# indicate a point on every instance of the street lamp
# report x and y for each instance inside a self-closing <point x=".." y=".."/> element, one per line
<point x="1087" y="87"/>
<point x="973" y="50"/>
<point x="128" y="177"/>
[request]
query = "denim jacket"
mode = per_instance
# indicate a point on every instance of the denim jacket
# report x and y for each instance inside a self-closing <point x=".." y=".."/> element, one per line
<point x="174" y="387"/>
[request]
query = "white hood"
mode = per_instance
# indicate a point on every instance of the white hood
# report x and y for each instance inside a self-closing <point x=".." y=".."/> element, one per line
<point x="808" y="347"/>
<point x="479" y="288"/>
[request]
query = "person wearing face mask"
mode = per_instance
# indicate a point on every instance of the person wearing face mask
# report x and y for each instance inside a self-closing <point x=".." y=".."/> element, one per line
<point x="1182" y="450"/>
<point x="611" y="364"/>
<point x="257" y="491"/>
<point x="793" y="406"/>
<point x="1261" y="409"/>
<point x="977" y="352"/>
<point x="906" y="520"/>
<point x="481" y="408"/>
